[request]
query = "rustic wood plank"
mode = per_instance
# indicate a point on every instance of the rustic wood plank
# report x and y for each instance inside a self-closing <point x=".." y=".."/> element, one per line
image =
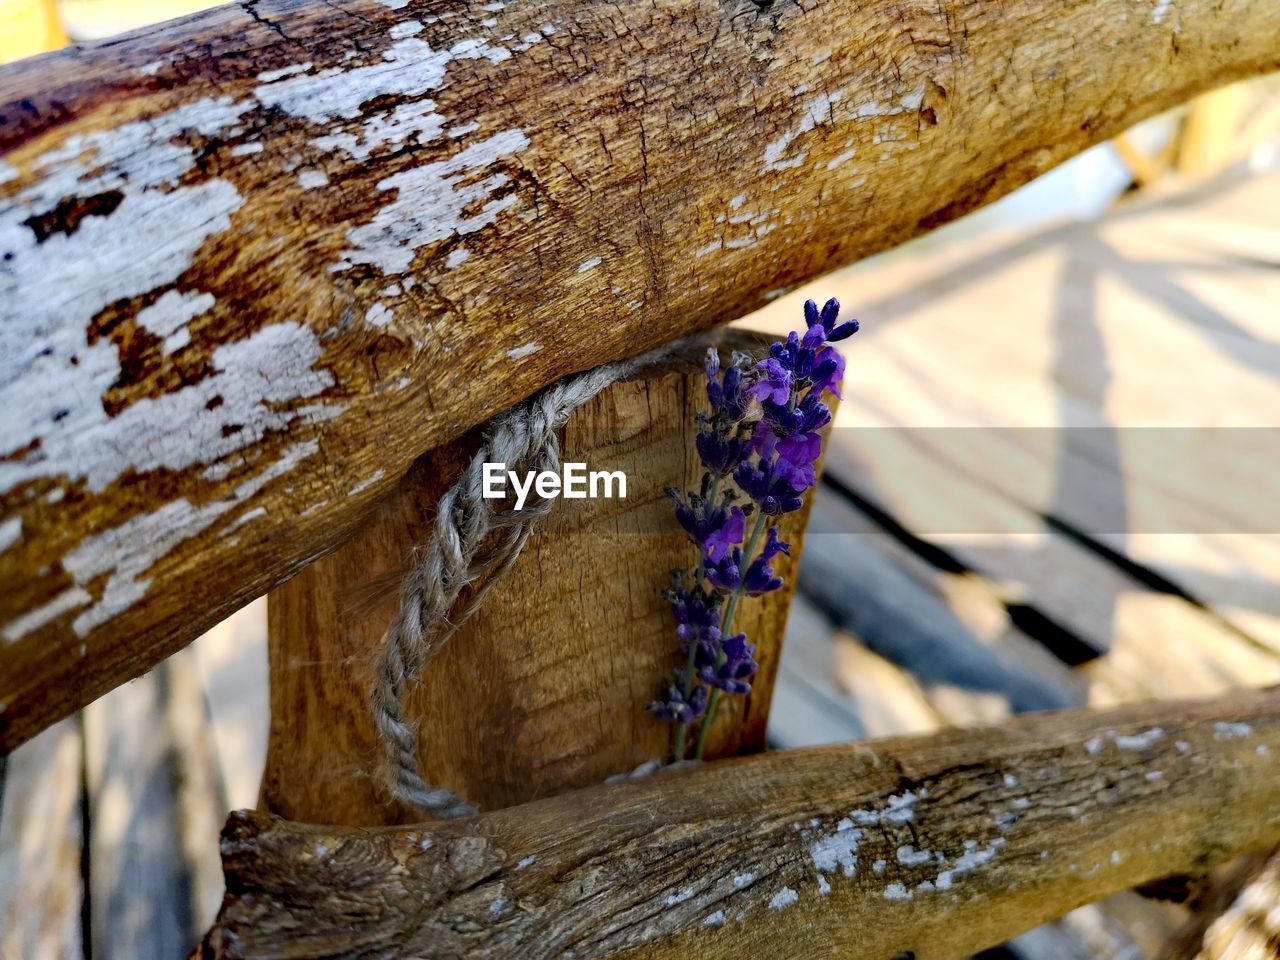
<point x="257" y="261"/>
<point x="982" y="833"/>
<point x="544" y="689"/>
<point x="150" y="809"/>
<point x="41" y="892"/>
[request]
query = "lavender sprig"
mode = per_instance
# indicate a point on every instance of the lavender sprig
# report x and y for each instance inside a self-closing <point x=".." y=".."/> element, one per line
<point x="759" y="439"/>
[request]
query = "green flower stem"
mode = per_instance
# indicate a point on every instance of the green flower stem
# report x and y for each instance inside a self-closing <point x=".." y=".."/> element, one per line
<point x="682" y="730"/>
<point x="726" y="624"/>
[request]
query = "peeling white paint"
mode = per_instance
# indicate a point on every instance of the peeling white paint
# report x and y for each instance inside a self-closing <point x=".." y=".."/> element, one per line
<point x="909" y="856"/>
<point x="1183" y="747"/>
<point x="457" y="258"/>
<point x="379" y="315"/>
<point x="10" y="531"/>
<point x="744" y="880"/>
<point x="680" y="896"/>
<point x="837" y="850"/>
<point x="497" y="907"/>
<point x="129" y="551"/>
<point x="368" y="481"/>
<point x="842" y="158"/>
<point x="714" y="919"/>
<point x="270" y="76"/>
<point x="1093" y="746"/>
<point x="246" y="149"/>
<point x="527" y="861"/>
<point x="783" y="899"/>
<point x="1224" y="730"/>
<point x="311" y="178"/>
<point x="590" y="264"/>
<point x="405" y="28"/>
<point x="1141" y="741"/>
<point x="816" y="112"/>
<point x="168" y="317"/>
<point x="1161" y="10"/>
<point x="896" y="891"/>
<point x="32" y="620"/>
<point x="246" y="517"/>
<point x="431" y="204"/>
<point x="152" y="68"/>
<point x="519" y="353"/>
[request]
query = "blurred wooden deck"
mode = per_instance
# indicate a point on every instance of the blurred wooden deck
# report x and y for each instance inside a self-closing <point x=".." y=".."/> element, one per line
<point x="952" y="575"/>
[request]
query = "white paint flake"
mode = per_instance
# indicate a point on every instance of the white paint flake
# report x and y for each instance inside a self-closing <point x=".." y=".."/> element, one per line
<point x="972" y="858"/>
<point x="311" y="178"/>
<point x="1161" y="10"/>
<point x="152" y="68"/>
<point x="896" y="891"/>
<point x="394" y="4"/>
<point x="129" y="551"/>
<point x="271" y="76"/>
<point x="246" y="149"/>
<point x="817" y="111"/>
<point x="10" y="531"/>
<point x="497" y="907"/>
<point x="457" y="258"/>
<point x="680" y="896"/>
<point x="744" y="880"/>
<point x="368" y="481"/>
<point x="168" y="317"/>
<point x="714" y="919"/>
<point x="1141" y="741"/>
<point x="783" y="899"/>
<point x="32" y="620"/>
<point x="432" y="204"/>
<point x="527" y="861"/>
<point x="519" y="353"/>
<point x="837" y="850"/>
<point x="1010" y="780"/>
<point x="1231" y="731"/>
<point x="823" y="886"/>
<point x="379" y="315"/>
<point x="842" y="158"/>
<point x="591" y="264"/>
<point x="405" y="28"/>
<point x="911" y="857"/>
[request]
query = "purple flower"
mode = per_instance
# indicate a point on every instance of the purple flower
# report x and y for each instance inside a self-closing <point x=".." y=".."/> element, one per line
<point x="714" y="529"/>
<point x="827" y="320"/>
<point x="675" y="707"/>
<point x="737" y="667"/>
<point x="725" y="573"/>
<point x="828" y="371"/>
<point x="759" y="578"/>
<point x="775" y="484"/>
<point x="775" y="386"/>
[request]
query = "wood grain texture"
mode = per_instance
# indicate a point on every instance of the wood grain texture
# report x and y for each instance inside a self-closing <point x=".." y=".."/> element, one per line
<point x="544" y="689"/>
<point x="41" y="891"/>
<point x="937" y="845"/>
<point x="254" y="263"/>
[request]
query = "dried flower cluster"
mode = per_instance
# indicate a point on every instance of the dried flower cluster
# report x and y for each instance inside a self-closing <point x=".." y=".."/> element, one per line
<point x="759" y="441"/>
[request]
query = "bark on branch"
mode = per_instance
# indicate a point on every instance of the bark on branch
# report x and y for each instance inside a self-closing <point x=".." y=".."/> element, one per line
<point x="253" y="263"/>
<point x="931" y="847"/>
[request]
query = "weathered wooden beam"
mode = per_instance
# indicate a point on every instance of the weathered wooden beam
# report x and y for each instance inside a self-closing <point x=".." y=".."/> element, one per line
<point x="925" y="846"/>
<point x="255" y="262"/>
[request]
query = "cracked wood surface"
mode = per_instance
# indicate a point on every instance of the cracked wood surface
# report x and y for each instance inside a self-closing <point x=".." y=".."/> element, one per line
<point x="932" y="847"/>
<point x="254" y="263"/>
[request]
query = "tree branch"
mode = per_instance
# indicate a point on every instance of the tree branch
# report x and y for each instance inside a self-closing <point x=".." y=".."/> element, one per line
<point x="931" y="847"/>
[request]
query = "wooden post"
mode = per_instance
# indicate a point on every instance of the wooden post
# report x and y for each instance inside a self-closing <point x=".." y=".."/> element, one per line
<point x="544" y="689"/>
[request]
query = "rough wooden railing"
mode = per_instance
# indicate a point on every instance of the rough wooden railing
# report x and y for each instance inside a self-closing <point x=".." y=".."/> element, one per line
<point x="927" y="847"/>
<point x="253" y="263"/>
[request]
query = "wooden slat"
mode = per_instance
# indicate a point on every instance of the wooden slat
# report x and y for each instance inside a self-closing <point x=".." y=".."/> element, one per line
<point x="982" y="833"/>
<point x="257" y="261"/>
<point x="151" y="810"/>
<point x="41" y="892"/>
